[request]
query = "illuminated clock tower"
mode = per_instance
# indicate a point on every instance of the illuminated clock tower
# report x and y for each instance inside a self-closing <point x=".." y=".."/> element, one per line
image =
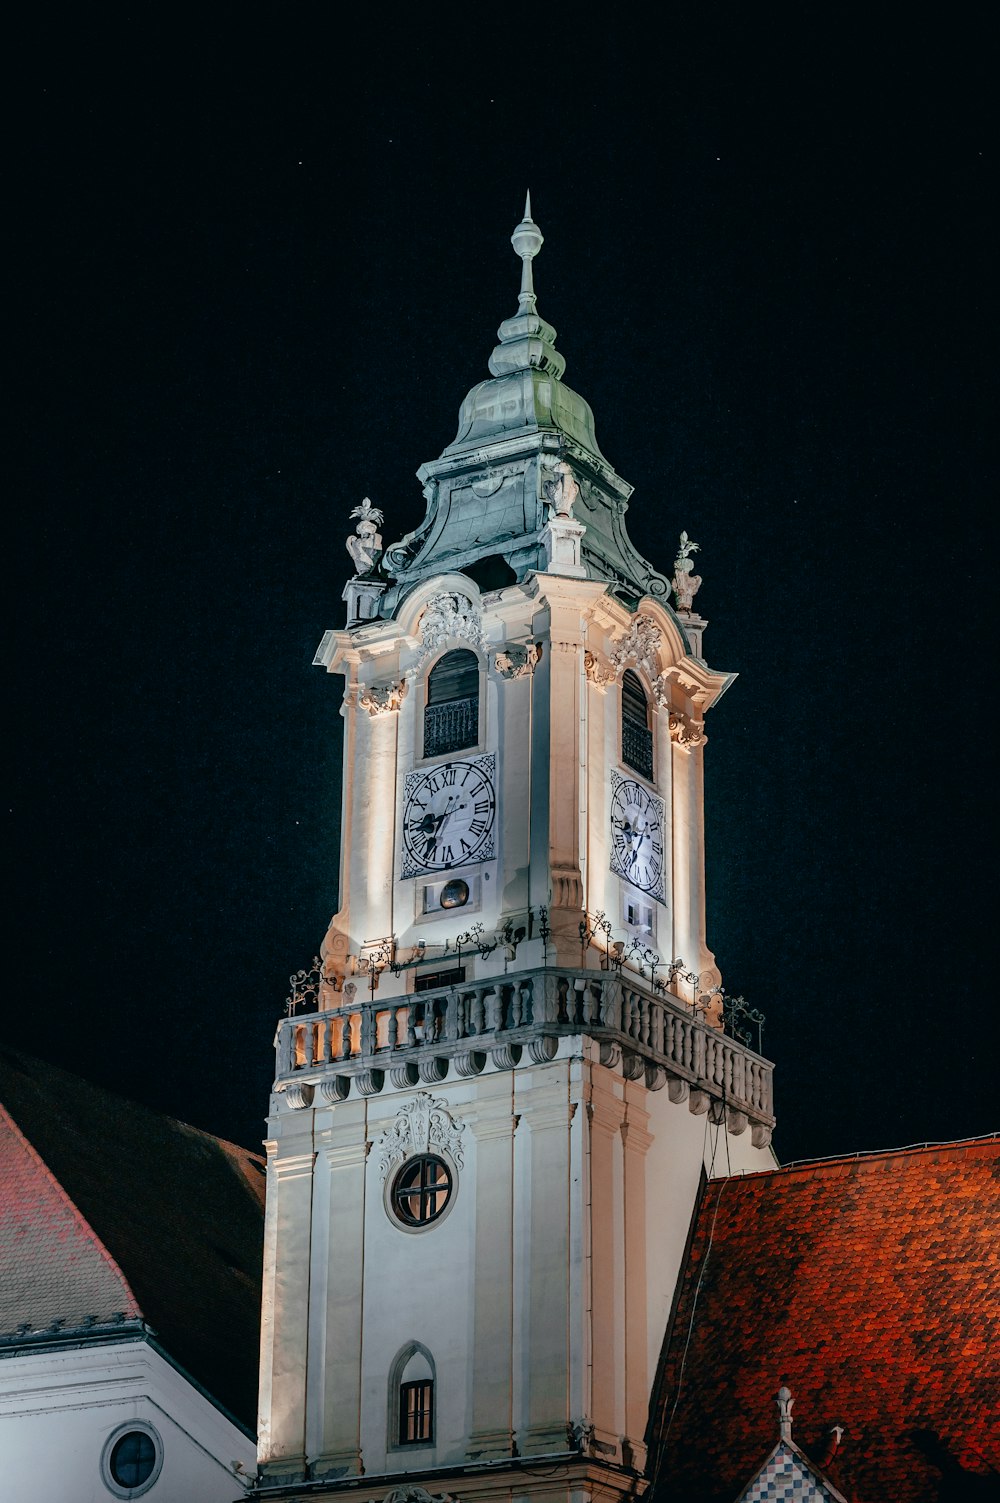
<point x="500" y="1087"/>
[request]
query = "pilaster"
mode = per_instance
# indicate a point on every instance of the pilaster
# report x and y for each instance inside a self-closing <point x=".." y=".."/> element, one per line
<point x="493" y="1127"/>
<point x="546" y="1116"/>
<point x="334" y="1414"/>
<point x="285" y="1314"/>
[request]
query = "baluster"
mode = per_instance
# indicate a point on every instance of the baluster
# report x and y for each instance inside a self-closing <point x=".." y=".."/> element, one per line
<point x="451" y="1015"/>
<point x="562" y="992"/>
<point x="526" y="994"/>
<point x="392" y="1028"/>
<point x="368" y="1029"/>
<point x="411" y="1021"/>
<point x="698" y="1063"/>
<point x="477" y="1018"/>
<point x="285" y="1037"/>
<point x="491" y="1008"/>
<point x="515" y="1008"/>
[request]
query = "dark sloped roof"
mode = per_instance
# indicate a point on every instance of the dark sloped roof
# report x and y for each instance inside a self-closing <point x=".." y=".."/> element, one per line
<point x="55" y="1273"/>
<point x="177" y="1212"/>
<point x="870" y="1287"/>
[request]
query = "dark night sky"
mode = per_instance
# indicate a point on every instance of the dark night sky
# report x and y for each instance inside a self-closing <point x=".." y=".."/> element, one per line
<point x="255" y="270"/>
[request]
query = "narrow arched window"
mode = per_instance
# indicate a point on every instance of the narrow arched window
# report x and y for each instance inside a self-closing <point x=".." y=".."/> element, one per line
<point x="412" y="1399"/>
<point x="637" y="738"/>
<point x="451" y="717"/>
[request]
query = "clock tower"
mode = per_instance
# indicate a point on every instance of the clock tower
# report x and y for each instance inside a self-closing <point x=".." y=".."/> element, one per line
<point x="502" y="1083"/>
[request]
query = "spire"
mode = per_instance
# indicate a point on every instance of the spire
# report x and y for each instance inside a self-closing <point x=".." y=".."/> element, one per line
<point x="526" y="340"/>
<point x="527" y="241"/>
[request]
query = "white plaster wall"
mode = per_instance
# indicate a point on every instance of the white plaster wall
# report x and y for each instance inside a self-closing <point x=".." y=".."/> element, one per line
<point x="57" y="1410"/>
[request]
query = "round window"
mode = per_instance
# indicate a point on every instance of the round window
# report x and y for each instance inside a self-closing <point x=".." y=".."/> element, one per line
<point x="132" y="1458"/>
<point x="421" y="1190"/>
<point x="455" y="894"/>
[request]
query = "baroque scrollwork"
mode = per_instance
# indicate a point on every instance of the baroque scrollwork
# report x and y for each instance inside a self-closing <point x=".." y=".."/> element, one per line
<point x="379" y="699"/>
<point x="685" y="733"/>
<point x="515" y="662"/>
<point x="422" y="1125"/>
<point x="640" y="644"/>
<point x="597" y="671"/>
<point x="447" y="617"/>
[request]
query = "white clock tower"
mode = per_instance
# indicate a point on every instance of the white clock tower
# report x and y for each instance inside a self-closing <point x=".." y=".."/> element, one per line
<point x="500" y="1089"/>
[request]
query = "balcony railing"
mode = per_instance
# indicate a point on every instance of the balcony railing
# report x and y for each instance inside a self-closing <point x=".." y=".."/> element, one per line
<point x="653" y="1036"/>
<point x="451" y="726"/>
<point x="637" y="748"/>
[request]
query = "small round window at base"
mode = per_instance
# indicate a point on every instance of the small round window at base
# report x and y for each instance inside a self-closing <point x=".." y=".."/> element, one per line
<point x="421" y="1190"/>
<point x="131" y="1459"/>
<point x="455" y="894"/>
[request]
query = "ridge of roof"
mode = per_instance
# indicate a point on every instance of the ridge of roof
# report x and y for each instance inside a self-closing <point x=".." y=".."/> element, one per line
<point x="863" y="1157"/>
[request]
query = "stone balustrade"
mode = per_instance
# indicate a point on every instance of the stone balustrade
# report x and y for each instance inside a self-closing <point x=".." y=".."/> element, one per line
<point x="653" y="1037"/>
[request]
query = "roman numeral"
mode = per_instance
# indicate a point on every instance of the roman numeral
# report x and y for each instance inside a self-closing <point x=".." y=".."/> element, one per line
<point x="477" y="827"/>
<point x="448" y="777"/>
<point x="483" y="806"/>
<point x="447" y="855"/>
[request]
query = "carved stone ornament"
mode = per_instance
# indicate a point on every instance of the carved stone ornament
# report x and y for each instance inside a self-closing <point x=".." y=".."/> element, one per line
<point x="515" y="662"/>
<point x="685" y="583"/>
<point x="446" y="617"/>
<point x="596" y="671"/>
<point x="379" y="699"/>
<point x="366" y="548"/>
<point x="562" y="491"/>
<point x="640" y="644"/>
<point x="422" y="1125"/>
<point x="685" y="733"/>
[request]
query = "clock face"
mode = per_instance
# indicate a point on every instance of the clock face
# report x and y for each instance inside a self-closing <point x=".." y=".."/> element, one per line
<point x="637" y="835"/>
<point x="449" y="813"/>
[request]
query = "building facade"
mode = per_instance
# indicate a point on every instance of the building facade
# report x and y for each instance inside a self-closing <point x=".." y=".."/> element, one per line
<point x="501" y="1087"/>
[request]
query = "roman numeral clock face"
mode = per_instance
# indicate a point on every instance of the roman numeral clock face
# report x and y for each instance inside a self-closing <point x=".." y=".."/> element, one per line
<point x="637" y="835"/>
<point x="449" y="814"/>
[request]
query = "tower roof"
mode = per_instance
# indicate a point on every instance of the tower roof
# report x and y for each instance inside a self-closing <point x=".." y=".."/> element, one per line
<point x="487" y="495"/>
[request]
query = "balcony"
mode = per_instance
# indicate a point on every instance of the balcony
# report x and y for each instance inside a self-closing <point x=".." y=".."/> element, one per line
<point x="451" y="726"/>
<point x="512" y="1019"/>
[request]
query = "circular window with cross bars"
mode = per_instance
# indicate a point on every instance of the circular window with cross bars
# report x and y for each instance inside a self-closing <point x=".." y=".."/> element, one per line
<point x="421" y="1190"/>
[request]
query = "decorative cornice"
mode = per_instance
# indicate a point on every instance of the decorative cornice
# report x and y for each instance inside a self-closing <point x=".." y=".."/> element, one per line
<point x="422" y="1125"/>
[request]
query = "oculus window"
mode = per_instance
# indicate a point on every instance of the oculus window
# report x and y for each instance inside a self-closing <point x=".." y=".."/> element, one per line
<point x="421" y="1190"/>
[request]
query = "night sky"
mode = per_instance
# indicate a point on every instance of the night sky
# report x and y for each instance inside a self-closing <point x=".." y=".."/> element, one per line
<point x="256" y="267"/>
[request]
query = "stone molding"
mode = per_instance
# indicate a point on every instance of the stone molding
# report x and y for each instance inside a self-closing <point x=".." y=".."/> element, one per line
<point x="421" y="1126"/>
<point x="417" y="1495"/>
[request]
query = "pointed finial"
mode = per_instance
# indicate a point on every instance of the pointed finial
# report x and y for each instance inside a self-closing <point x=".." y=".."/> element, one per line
<point x="527" y="241"/>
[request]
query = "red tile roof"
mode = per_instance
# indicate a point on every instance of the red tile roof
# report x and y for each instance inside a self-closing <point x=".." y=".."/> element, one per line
<point x="871" y="1287"/>
<point x="110" y="1207"/>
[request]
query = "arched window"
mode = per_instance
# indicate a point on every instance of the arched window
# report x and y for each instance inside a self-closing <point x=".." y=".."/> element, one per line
<point x="637" y="738"/>
<point x="451" y="717"/>
<point x="411" y="1397"/>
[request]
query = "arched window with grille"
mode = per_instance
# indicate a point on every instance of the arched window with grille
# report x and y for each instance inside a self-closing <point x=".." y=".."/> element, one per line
<point x="451" y="715"/>
<point x="637" y="738"/>
<point x="411" y="1397"/>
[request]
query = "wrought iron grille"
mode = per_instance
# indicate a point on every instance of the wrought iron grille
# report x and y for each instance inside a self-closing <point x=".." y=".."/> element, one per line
<point x="450" y="727"/>
<point x="637" y="748"/>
